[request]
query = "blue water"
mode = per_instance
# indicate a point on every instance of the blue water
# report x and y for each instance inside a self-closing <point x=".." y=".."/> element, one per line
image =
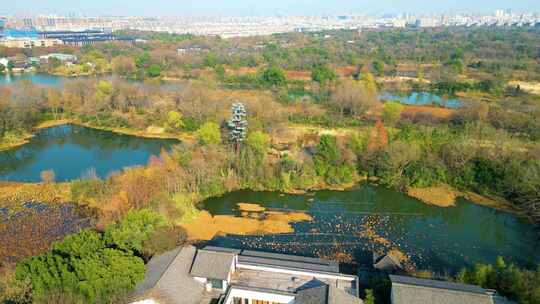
<point x="73" y="151"/>
<point x="422" y="99"/>
<point x="35" y="78"/>
<point x="47" y="80"/>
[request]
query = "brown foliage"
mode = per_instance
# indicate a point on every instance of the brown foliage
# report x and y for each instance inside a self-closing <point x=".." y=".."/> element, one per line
<point x="47" y="176"/>
<point x="30" y="232"/>
<point x="378" y="138"/>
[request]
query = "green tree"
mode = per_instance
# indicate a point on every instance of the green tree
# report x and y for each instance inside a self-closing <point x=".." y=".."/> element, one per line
<point x="323" y="74"/>
<point x="329" y="161"/>
<point x="210" y="60"/>
<point x="174" y="121"/>
<point x="258" y="142"/>
<point x="153" y="71"/>
<point x="130" y="233"/>
<point x="378" y="68"/>
<point x="220" y="72"/>
<point x="273" y="76"/>
<point x="392" y="112"/>
<point x="209" y="133"/>
<point x="82" y="269"/>
<point x="143" y="60"/>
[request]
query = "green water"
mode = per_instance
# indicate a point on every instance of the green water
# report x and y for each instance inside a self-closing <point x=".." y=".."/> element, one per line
<point x="441" y="239"/>
<point x="73" y="151"/>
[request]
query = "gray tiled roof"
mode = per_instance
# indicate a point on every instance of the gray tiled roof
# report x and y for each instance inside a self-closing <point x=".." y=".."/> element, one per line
<point x="338" y="296"/>
<point x="437" y="284"/>
<point x="222" y="249"/>
<point x="317" y="292"/>
<point x="167" y="279"/>
<point x="289" y="257"/>
<point x="212" y="264"/>
<point x="314" y="295"/>
<point x="287" y="261"/>
<point x="406" y="290"/>
<point x="388" y="263"/>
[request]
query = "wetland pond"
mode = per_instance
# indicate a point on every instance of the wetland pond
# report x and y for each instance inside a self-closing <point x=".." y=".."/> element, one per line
<point x="74" y="151"/>
<point x="372" y="218"/>
<point x="422" y="99"/>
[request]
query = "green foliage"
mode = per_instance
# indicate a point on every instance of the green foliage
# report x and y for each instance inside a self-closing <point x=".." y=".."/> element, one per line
<point x="273" y="76"/>
<point x="209" y="134"/>
<point x="83" y="269"/>
<point x="210" y="60"/>
<point x="220" y="72"/>
<point x="370" y="298"/>
<point x="136" y="227"/>
<point x="517" y="284"/>
<point x="142" y="61"/>
<point x="323" y="74"/>
<point x="259" y="142"/>
<point x="153" y="71"/>
<point x="174" y="121"/>
<point x="392" y="112"/>
<point x="378" y="68"/>
<point x="104" y="90"/>
<point x="329" y="162"/>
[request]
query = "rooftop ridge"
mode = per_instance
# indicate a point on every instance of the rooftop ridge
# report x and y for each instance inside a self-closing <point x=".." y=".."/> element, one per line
<point x="435" y="284"/>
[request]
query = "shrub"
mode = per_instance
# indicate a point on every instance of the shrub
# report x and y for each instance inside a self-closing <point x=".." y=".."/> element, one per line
<point x="81" y="269"/>
<point x="209" y="134"/>
<point x="136" y="227"/>
<point x="174" y="121"/>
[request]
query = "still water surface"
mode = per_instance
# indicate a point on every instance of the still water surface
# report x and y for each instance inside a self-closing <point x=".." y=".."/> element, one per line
<point x="422" y="99"/>
<point x="73" y="151"/>
<point x="443" y="239"/>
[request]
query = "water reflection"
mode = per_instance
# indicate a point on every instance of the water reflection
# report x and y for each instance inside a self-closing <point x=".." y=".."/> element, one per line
<point x="422" y="99"/>
<point x="443" y="239"/>
<point x="72" y="150"/>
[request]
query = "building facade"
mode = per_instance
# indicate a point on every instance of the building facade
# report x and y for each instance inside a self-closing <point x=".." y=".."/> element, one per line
<point x="28" y="43"/>
<point x="189" y="275"/>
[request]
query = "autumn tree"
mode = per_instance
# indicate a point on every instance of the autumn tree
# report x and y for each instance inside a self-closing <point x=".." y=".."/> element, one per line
<point x="123" y="65"/>
<point x="354" y="97"/>
<point x="174" y="121"/>
<point x="209" y="134"/>
<point x="378" y="137"/>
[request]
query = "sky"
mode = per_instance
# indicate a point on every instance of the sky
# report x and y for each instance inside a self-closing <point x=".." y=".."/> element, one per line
<point x="257" y="7"/>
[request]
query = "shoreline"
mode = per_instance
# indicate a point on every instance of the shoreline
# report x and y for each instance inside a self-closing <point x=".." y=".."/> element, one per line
<point x="186" y="137"/>
<point x="443" y="196"/>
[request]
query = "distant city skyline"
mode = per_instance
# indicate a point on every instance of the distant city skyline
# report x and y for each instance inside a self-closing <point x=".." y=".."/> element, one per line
<point x="258" y="8"/>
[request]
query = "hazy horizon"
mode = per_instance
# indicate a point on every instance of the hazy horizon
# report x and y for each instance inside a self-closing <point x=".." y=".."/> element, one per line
<point x="258" y="8"/>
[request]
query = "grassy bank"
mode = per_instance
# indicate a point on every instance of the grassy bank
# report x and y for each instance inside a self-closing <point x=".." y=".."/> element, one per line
<point x="446" y="196"/>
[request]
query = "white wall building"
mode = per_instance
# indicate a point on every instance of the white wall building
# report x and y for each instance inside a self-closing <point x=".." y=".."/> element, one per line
<point x="229" y="276"/>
